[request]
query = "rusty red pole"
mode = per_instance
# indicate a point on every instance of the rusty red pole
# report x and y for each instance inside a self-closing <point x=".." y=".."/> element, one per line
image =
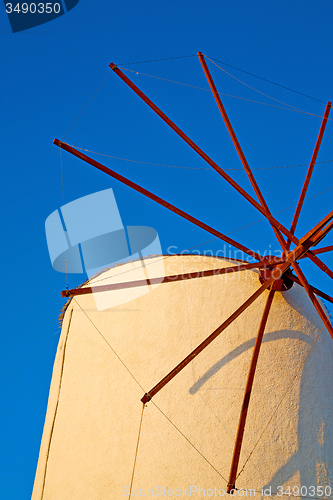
<point x="314" y="235"/>
<point x="210" y="162"/>
<point x="315" y="290"/>
<point x="323" y="233"/>
<point x="237" y="145"/>
<point x="317" y="239"/>
<point x="313" y="299"/>
<point x="183" y="214"/>
<point x="229" y="128"/>
<point x="319" y="230"/>
<point x="168" y="279"/>
<point x="319" y="263"/>
<point x="290" y="259"/>
<point x="203" y="155"/>
<point x="155" y="198"/>
<point x="147" y="397"/>
<point x="276" y="274"/>
<point x="310" y="170"/>
<point x="247" y="393"/>
<point x="323" y="250"/>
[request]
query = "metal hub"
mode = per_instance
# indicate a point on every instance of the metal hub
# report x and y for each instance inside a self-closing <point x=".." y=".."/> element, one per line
<point x="280" y="285"/>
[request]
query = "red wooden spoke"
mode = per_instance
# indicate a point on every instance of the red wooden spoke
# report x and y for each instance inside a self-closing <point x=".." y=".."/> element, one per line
<point x="168" y="279"/>
<point x="203" y="155"/>
<point x="319" y="230"/>
<point x="316" y="238"/>
<point x="237" y="145"/>
<point x="320" y="264"/>
<point x="147" y="397"/>
<point x="317" y="234"/>
<point x="325" y="319"/>
<point x="247" y="393"/>
<point x="171" y="207"/>
<point x="155" y="198"/>
<point x="304" y="245"/>
<point x="324" y="295"/>
<point x="310" y="170"/>
<point x="277" y="266"/>
<point x="308" y="239"/>
<point x="323" y="233"/>
<point x="280" y="269"/>
<point x="322" y="250"/>
<point x="276" y="274"/>
<point x="312" y="255"/>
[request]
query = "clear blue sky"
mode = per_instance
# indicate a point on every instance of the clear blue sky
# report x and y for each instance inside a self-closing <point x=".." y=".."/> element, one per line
<point x="50" y="72"/>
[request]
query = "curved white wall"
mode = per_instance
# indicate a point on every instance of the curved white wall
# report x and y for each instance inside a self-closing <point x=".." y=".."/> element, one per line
<point x="94" y="408"/>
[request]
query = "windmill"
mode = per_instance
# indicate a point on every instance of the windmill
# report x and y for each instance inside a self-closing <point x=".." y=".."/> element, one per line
<point x="276" y="275"/>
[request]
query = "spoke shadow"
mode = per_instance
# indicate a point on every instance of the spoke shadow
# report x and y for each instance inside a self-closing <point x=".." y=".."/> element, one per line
<point x="313" y="458"/>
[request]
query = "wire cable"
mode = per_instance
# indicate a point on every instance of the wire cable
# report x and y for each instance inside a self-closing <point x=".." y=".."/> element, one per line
<point x="63" y="204"/>
<point x="70" y="128"/>
<point x="192" y="168"/>
<point x="193" y="446"/>
<point x="230" y="66"/>
<point x="249" y="86"/>
<point x="157" y="60"/>
<point x="108" y="343"/>
<point x="177" y="428"/>
<point x="138" y="383"/>
<point x="136" y="452"/>
<point x="269" y="81"/>
<point x="164" y="257"/>
<point x="290" y="108"/>
<point x="280" y="495"/>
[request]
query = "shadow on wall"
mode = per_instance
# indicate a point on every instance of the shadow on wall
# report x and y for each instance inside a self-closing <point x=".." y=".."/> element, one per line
<point x="313" y="459"/>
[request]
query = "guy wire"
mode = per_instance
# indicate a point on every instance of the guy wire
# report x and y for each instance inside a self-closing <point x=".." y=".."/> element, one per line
<point x="136" y="452"/>
<point x="63" y="204"/>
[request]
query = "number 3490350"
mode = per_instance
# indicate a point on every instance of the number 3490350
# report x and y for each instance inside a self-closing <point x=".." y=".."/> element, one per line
<point x="33" y="8"/>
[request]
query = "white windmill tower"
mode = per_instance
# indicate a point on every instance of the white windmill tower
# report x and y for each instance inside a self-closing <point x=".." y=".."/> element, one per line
<point x="214" y="416"/>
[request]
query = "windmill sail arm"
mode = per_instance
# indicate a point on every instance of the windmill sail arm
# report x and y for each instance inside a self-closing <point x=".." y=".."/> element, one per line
<point x="325" y="319"/>
<point x="318" y="236"/>
<point x="155" y="198"/>
<point x="319" y="263"/>
<point x="310" y="170"/>
<point x="168" y="279"/>
<point x="277" y="225"/>
<point x="276" y="275"/>
<point x="203" y="155"/>
<point x="247" y="392"/>
<point x="237" y="145"/>
<point x="322" y="250"/>
<point x="315" y="290"/>
<point x="148" y="396"/>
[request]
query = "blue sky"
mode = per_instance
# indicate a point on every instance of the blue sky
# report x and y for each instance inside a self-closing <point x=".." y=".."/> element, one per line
<point x="50" y="72"/>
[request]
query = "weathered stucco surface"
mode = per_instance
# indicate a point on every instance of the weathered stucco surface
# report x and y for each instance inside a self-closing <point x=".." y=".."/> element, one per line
<point x="91" y="427"/>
